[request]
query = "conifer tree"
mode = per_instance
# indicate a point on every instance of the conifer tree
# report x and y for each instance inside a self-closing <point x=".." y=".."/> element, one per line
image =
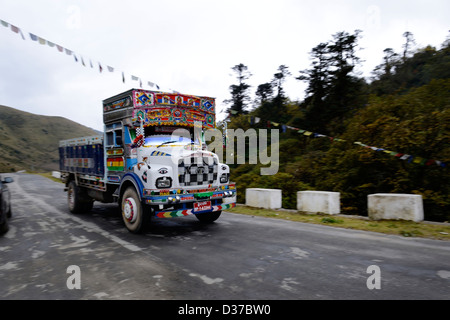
<point x="239" y="92"/>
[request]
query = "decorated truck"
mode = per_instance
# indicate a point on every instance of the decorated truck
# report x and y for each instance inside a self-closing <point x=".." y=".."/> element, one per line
<point x="151" y="159"/>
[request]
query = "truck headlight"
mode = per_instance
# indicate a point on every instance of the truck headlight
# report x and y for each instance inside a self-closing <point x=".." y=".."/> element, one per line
<point x="224" y="178"/>
<point x="163" y="183"/>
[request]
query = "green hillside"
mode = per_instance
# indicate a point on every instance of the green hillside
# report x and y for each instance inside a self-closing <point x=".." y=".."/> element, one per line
<point x="30" y="142"/>
<point x="356" y="136"/>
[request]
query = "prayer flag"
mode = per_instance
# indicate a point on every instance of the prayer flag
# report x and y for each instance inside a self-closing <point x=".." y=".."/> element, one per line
<point x="417" y="160"/>
<point x="14" y="29"/>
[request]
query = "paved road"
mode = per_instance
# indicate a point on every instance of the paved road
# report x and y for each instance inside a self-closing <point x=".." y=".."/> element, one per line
<point x="238" y="257"/>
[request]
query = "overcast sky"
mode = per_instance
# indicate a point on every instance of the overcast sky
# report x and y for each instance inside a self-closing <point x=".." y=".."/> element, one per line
<point x="186" y="46"/>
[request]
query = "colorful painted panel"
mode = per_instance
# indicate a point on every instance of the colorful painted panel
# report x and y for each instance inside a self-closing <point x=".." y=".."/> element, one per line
<point x="208" y="104"/>
<point x="114" y="152"/>
<point x="116" y="105"/>
<point x="158" y="116"/>
<point x="142" y="99"/>
<point x="115" y="164"/>
<point x="162" y="109"/>
<point x="181" y="213"/>
<point x="176" y="99"/>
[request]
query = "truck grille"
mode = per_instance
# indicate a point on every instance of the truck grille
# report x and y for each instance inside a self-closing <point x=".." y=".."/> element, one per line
<point x="197" y="170"/>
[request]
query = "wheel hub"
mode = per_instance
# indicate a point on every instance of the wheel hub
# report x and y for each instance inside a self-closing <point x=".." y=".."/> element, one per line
<point x="129" y="209"/>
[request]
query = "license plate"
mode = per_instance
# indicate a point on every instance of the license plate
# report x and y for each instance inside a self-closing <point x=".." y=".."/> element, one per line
<point x="202" y="206"/>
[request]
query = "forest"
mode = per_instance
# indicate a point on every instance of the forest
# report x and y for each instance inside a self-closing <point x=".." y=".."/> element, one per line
<point x="386" y="134"/>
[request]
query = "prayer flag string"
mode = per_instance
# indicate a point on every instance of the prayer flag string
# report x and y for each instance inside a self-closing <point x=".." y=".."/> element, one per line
<point x="77" y="56"/>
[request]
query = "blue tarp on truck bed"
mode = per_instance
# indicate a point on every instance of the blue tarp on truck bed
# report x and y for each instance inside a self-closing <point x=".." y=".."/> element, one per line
<point x="85" y="159"/>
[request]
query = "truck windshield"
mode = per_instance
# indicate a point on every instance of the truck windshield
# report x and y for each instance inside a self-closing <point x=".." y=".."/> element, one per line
<point x="158" y="140"/>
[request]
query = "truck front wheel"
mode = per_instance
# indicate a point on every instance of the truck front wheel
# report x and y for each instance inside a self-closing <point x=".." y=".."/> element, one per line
<point x="133" y="213"/>
<point x="208" y="217"/>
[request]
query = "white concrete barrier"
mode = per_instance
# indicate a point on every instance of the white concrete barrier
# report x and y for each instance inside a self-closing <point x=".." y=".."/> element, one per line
<point x="56" y="174"/>
<point x="395" y="206"/>
<point x="319" y="202"/>
<point x="263" y="198"/>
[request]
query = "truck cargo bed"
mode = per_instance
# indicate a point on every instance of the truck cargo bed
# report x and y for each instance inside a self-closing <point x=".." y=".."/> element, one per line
<point x="82" y="155"/>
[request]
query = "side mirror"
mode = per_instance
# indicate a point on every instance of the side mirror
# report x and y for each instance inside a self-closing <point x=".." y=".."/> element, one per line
<point x="8" y="180"/>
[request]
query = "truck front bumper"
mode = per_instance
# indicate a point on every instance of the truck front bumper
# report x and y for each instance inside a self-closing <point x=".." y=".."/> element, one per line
<point x="178" y="203"/>
<point x="186" y="212"/>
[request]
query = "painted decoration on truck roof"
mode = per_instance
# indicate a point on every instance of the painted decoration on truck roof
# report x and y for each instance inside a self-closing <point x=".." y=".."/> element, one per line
<point x="160" y="108"/>
<point x="143" y="99"/>
<point x="173" y="117"/>
<point x="119" y="104"/>
<point x="176" y="99"/>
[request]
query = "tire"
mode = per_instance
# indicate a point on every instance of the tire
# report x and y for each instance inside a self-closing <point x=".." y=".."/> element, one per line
<point x="134" y="214"/>
<point x="88" y="206"/>
<point x="208" y="217"/>
<point x="9" y="213"/>
<point x="77" y="204"/>
<point x="4" y="226"/>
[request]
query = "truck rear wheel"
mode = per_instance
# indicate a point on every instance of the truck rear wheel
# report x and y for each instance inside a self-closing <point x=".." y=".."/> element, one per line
<point x="77" y="203"/>
<point x="133" y="213"/>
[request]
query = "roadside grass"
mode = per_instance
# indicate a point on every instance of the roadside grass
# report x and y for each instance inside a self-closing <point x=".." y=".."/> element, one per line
<point x="403" y="228"/>
<point x="46" y="175"/>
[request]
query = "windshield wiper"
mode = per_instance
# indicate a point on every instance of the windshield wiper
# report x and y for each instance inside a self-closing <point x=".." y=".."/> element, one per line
<point x="167" y="142"/>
